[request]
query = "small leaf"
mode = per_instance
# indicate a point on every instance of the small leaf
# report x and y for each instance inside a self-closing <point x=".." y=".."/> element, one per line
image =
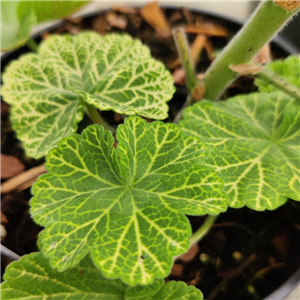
<point x="33" y="278"/>
<point x="49" y="10"/>
<point x="289" y="69"/>
<point x="15" y="30"/>
<point x="255" y="146"/>
<point x="125" y="206"/>
<point x="19" y="17"/>
<point x="112" y="72"/>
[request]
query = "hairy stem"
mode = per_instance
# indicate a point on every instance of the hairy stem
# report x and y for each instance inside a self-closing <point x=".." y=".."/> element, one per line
<point x="186" y="61"/>
<point x="32" y="44"/>
<point x="265" y="22"/>
<point x="281" y="84"/>
<point x="93" y="114"/>
<point x="203" y="230"/>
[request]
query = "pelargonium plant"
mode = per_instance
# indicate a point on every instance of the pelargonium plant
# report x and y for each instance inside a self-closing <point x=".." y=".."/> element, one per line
<point x="114" y="203"/>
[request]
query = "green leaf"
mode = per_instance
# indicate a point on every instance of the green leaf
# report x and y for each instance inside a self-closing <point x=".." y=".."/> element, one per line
<point x="173" y="290"/>
<point x="14" y="30"/>
<point x="125" y="206"/>
<point x="49" y="10"/>
<point x="33" y="278"/>
<point x="19" y="17"/>
<point x="289" y="69"/>
<point x="255" y="146"/>
<point x="112" y="72"/>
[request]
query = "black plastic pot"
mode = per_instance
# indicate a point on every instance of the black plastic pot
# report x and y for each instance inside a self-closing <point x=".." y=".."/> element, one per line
<point x="279" y="45"/>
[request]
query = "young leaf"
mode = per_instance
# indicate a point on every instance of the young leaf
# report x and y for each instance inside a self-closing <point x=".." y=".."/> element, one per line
<point x="289" y="69"/>
<point x="33" y="278"/>
<point x="49" y="10"/>
<point x="112" y="72"/>
<point x="19" y="17"/>
<point x="255" y="146"/>
<point x="15" y="30"/>
<point x="126" y="207"/>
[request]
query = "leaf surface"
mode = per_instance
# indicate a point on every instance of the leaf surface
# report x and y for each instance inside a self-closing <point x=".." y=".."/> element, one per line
<point x="288" y="69"/>
<point x="19" y="17"/>
<point x="255" y="146"/>
<point x="14" y="30"/>
<point x="33" y="278"/>
<point x="49" y="10"/>
<point x="48" y="90"/>
<point x="125" y="206"/>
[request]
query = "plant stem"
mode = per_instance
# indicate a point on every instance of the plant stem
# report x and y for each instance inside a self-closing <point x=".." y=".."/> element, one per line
<point x="186" y="61"/>
<point x="92" y="112"/>
<point x="264" y="23"/>
<point x="32" y="44"/>
<point x="279" y="83"/>
<point x="203" y="230"/>
<point x="188" y="66"/>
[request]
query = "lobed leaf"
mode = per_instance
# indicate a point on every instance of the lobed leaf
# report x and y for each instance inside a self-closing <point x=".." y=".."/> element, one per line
<point x="33" y="278"/>
<point x="48" y="90"/>
<point x="289" y="69"/>
<point x="255" y="146"/>
<point x="125" y="206"/>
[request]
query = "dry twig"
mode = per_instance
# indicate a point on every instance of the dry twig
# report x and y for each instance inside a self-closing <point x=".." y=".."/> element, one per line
<point x="22" y="180"/>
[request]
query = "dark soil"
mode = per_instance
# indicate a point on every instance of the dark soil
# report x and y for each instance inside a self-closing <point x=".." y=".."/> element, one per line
<point x="247" y="254"/>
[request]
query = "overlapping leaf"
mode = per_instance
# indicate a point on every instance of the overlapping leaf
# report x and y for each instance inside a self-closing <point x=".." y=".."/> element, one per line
<point x="19" y="17"/>
<point x="255" y="146"/>
<point x="33" y="278"/>
<point x="126" y="207"/>
<point x="48" y="90"/>
<point x="289" y="69"/>
<point x="14" y="30"/>
<point x="49" y="10"/>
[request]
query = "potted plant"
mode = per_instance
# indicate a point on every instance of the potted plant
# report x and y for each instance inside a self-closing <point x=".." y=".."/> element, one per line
<point x="114" y="218"/>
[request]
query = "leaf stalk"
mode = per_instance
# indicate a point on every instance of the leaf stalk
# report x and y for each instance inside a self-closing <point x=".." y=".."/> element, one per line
<point x="203" y="230"/>
<point x="93" y="114"/>
<point x="31" y="43"/>
<point x="281" y="84"/>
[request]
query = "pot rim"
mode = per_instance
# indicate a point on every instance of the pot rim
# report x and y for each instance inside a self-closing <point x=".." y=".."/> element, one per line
<point x="286" y="288"/>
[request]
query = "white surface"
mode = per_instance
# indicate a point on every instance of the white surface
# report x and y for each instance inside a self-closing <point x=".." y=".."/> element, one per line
<point x="295" y="295"/>
<point x="237" y="9"/>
